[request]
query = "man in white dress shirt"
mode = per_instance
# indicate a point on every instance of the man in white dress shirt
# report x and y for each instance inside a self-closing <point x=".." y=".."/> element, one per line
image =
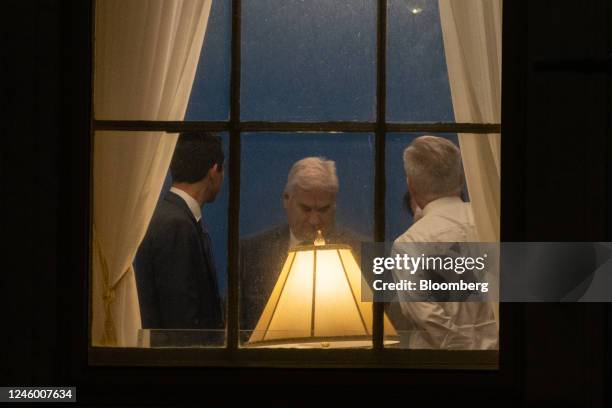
<point x="435" y="180"/>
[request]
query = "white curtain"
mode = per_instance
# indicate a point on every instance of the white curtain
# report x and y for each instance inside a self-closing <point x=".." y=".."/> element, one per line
<point x="472" y="43"/>
<point x="472" y="32"/>
<point x="146" y="54"/>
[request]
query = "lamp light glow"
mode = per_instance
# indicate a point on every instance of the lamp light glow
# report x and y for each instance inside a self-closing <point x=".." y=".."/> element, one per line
<point x="316" y="302"/>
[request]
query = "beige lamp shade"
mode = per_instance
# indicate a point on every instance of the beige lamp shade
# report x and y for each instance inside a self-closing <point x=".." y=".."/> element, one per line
<point x="316" y="302"/>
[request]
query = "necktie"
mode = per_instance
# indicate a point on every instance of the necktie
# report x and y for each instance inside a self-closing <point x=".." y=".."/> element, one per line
<point x="208" y="253"/>
<point x="207" y="244"/>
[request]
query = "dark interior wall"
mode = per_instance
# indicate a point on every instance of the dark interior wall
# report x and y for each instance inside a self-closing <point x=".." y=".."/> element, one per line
<point x="556" y="116"/>
<point x="567" y="116"/>
<point x="29" y="191"/>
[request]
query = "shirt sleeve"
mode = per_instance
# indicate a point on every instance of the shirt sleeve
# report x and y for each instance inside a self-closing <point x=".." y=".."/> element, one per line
<point x="433" y="325"/>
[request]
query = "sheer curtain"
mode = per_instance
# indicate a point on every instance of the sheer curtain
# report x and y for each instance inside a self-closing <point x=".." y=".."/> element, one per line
<point x="146" y="54"/>
<point x="472" y="31"/>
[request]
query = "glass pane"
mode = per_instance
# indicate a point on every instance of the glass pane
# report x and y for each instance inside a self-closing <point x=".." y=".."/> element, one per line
<point x="308" y="60"/>
<point x="417" y="80"/>
<point x="478" y="328"/>
<point x="137" y="75"/>
<point x="277" y="214"/>
<point x="209" y="98"/>
<point x="179" y="263"/>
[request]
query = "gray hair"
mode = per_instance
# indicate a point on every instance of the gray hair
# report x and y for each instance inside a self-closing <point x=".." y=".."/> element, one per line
<point x="313" y="173"/>
<point x="434" y="167"/>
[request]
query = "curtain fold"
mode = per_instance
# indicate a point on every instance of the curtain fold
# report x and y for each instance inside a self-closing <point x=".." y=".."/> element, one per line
<point x="472" y="43"/>
<point x="146" y="55"/>
<point x="472" y="33"/>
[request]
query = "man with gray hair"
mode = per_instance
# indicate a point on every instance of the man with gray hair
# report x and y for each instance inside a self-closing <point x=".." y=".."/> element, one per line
<point x="434" y="175"/>
<point x="309" y="201"/>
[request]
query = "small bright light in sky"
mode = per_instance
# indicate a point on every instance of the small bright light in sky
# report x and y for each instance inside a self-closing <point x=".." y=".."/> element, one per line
<point x="416" y="10"/>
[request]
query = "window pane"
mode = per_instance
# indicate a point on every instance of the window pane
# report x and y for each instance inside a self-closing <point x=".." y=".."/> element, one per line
<point x="271" y="222"/>
<point x="180" y="297"/>
<point x="417" y="81"/>
<point x="308" y="60"/>
<point x="209" y="98"/>
<point x="143" y="62"/>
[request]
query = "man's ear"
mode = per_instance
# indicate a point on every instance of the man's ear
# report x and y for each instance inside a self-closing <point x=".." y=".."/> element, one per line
<point x="411" y="187"/>
<point x="211" y="172"/>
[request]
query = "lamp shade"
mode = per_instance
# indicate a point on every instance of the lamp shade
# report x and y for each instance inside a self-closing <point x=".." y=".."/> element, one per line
<point x="316" y="302"/>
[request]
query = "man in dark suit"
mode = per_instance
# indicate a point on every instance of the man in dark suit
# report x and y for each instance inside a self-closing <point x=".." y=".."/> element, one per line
<point x="175" y="269"/>
<point x="309" y="200"/>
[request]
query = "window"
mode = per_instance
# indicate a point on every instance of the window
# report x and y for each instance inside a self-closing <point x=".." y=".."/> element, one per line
<point x="278" y="80"/>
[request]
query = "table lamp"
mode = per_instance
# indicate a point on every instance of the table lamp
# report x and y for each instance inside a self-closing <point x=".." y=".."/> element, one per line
<point x="317" y="302"/>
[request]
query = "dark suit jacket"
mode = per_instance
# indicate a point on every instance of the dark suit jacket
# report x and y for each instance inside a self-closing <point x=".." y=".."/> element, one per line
<point x="177" y="288"/>
<point x="261" y="260"/>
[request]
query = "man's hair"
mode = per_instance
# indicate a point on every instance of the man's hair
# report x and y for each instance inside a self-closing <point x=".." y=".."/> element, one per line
<point x="313" y="173"/>
<point x="434" y="167"/>
<point x="195" y="154"/>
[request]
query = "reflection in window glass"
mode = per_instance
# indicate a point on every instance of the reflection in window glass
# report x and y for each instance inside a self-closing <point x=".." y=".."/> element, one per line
<point x="417" y="80"/>
<point x="274" y="219"/>
<point x="308" y="60"/>
<point x="209" y="98"/>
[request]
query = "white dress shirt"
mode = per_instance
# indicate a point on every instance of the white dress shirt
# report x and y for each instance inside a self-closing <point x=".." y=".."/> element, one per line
<point x="190" y="201"/>
<point x="446" y="325"/>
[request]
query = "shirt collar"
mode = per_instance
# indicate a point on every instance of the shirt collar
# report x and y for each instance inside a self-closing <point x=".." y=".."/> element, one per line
<point x="440" y="203"/>
<point x="193" y="205"/>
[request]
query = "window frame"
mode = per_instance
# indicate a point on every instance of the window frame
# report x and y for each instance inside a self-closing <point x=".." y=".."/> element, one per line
<point x="232" y="355"/>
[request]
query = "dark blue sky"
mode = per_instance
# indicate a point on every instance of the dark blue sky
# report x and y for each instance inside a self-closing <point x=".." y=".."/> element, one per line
<point x="315" y="60"/>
